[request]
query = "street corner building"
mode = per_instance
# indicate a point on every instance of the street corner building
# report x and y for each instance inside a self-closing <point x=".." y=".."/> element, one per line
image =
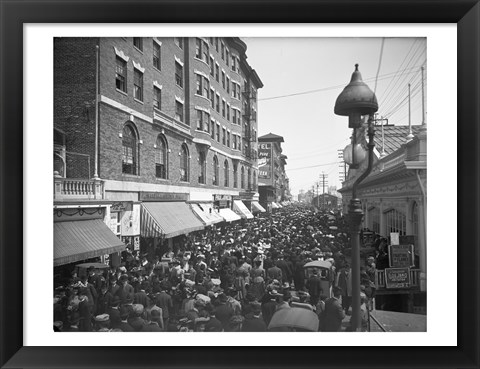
<point x="154" y="138"/>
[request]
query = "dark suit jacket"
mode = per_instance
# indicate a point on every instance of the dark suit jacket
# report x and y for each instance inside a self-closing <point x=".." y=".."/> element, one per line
<point x="252" y="324"/>
<point x="334" y="315"/>
<point x="274" y="273"/>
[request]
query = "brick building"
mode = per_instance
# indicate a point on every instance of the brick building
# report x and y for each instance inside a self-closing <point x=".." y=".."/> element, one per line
<point x="177" y="124"/>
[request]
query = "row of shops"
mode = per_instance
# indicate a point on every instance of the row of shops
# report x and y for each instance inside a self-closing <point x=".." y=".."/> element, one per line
<point x="157" y="221"/>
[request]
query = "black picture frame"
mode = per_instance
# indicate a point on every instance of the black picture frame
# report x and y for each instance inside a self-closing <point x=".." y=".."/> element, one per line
<point x="14" y="14"/>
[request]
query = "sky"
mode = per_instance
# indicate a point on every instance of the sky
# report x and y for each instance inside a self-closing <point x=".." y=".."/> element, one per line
<point x="316" y="70"/>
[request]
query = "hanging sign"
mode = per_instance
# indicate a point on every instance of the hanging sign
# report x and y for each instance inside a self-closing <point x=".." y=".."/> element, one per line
<point x="397" y="278"/>
<point x="401" y="256"/>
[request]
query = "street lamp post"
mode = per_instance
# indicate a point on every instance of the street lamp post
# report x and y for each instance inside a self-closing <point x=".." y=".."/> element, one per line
<point x="357" y="101"/>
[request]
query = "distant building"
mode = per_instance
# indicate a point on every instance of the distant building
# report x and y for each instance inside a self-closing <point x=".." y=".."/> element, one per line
<point x="177" y="122"/>
<point x="273" y="182"/>
<point x="326" y="202"/>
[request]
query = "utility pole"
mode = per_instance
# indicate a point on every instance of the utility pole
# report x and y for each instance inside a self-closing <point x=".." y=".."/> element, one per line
<point x="324" y="176"/>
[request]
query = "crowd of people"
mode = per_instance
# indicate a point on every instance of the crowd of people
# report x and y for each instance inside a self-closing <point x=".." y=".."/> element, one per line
<point x="231" y="277"/>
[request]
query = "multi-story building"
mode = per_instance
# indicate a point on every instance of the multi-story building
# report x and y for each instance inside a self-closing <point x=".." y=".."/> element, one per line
<point x="147" y="129"/>
<point x="273" y="181"/>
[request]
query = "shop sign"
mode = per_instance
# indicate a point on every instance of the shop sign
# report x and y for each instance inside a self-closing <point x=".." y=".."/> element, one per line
<point x="265" y="160"/>
<point x="401" y="256"/>
<point x="163" y="196"/>
<point x="222" y="197"/>
<point x="397" y="277"/>
<point x="120" y="206"/>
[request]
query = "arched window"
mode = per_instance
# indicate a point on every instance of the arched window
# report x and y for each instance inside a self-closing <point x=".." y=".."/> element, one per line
<point x="130" y="154"/>
<point x="415" y="219"/>
<point x="249" y="179"/>
<point x="184" y="164"/>
<point x="242" y="177"/>
<point x="225" y="173"/>
<point x="395" y="222"/>
<point x="215" y="171"/>
<point x="235" y="175"/>
<point x="254" y="180"/>
<point x="203" y="168"/>
<point x="161" y="157"/>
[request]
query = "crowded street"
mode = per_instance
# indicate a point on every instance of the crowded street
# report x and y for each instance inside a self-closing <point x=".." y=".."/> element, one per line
<point x="230" y="277"/>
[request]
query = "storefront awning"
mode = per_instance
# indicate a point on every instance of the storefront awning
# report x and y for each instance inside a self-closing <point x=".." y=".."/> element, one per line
<point x="274" y="205"/>
<point x="206" y="213"/>
<point x="257" y="208"/>
<point x="229" y="215"/>
<point x="240" y="208"/>
<point x="167" y="219"/>
<point x="83" y="239"/>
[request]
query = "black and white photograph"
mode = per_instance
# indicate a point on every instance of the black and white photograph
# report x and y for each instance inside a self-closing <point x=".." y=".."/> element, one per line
<point x="240" y="184"/>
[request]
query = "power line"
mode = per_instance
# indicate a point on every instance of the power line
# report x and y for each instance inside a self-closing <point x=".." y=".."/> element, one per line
<point x="385" y="76"/>
<point x="379" y="64"/>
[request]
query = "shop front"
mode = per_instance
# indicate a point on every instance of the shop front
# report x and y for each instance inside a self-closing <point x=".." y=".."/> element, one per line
<point x="240" y="208"/>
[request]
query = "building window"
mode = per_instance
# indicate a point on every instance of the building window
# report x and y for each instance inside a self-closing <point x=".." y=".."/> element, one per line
<point x="212" y="71"/>
<point x="217" y="72"/>
<point x="138" y="43"/>
<point x="198" y="48"/>
<point x="199" y="120"/>
<point x="227" y="57"/>
<point x="129" y="143"/>
<point x="156" y="55"/>
<point x="199" y="84"/>
<point x="215" y="171"/>
<point x="228" y="85"/>
<point x="228" y="139"/>
<point x="161" y="157"/>
<point x="157" y="98"/>
<point x="223" y="108"/>
<point x="242" y="177"/>
<point x="178" y="41"/>
<point x="249" y="179"/>
<point x="234" y="63"/>
<point x="216" y="44"/>
<point x="223" y="79"/>
<point x="395" y="222"/>
<point x="223" y="51"/>
<point x="218" y="132"/>
<point x="254" y="180"/>
<point x="211" y="40"/>
<point x="224" y="136"/>
<point x="203" y="168"/>
<point x="206" y="87"/>
<point x="179" y="111"/>
<point x="205" y="52"/>
<point x="212" y="97"/>
<point x="138" y="85"/>
<point x="212" y="132"/>
<point x="218" y="104"/>
<point x="234" y="139"/>
<point x="206" y="122"/>
<point x="184" y="164"/>
<point x="121" y="75"/>
<point x="235" y="175"/>
<point x="225" y="173"/>
<point x="178" y="74"/>
<point x="228" y="112"/>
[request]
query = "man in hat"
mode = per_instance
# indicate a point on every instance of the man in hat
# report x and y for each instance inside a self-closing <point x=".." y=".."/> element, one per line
<point x="154" y="323"/>
<point x="141" y="297"/>
<point x="345" y="283"/>
<point x="126" y="291"/>
<point x="135" y="319"/>
<point x="253" y="322"/>
<point x="164" y="301"/>
<point x="96" y="280"/>
<point x="124" y="325"/>
<point x="114" y="312"/>
<point x="104" y="300"/>
<point x="274" y="272"/>
<point x="102" y="322"/>
<point x="85" y="312"/>
<point x="314" y="287"/>
<point x="223" y="310"/>
<point x="334" y="313"/>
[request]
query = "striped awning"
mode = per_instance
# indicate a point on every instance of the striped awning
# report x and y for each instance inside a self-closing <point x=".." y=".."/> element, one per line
<point x="83" y="239"/>
<point x="257" y="208"/>
<point x="167" y="219"/>
<point x="240" y="208"/>
<point x="229" y="215"/>
<point x="206" y="213"/>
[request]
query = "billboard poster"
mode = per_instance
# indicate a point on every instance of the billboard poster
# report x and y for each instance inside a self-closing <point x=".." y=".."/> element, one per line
<point x="265" y="160"/>
<point x="397" y="277"/>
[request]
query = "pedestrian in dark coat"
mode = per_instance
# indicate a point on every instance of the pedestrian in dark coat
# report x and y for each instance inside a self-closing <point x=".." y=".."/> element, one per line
<point x="334" y="313"/>
<point x="314" y="287"/>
